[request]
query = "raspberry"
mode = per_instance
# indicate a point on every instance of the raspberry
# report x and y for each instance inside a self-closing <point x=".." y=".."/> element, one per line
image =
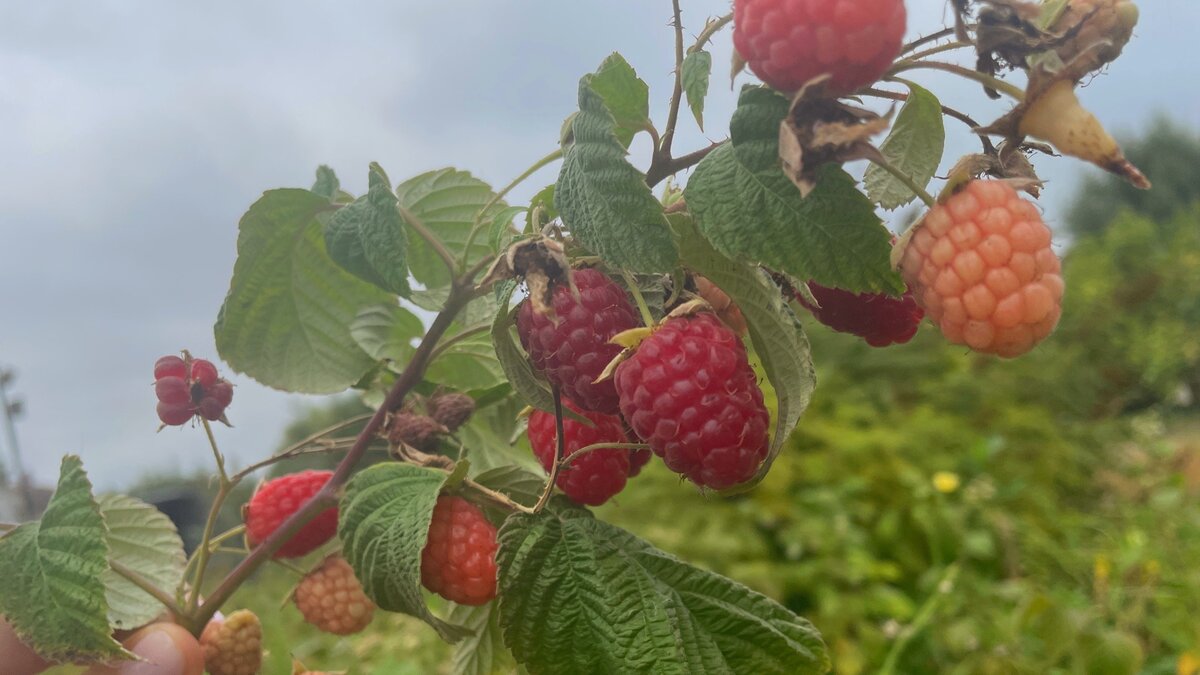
<point x="879" y="319"/>
<point x="982" y="267"/>
<point x="637" y="460"/>
<point x="787" y="43"/>
<point x="175" y="414"/>
<point x="279" y="498"/>
<point x="571" y="347"/>
<point x="233" y="646"/>
<point x="173" y="391"/>
<point x="594" y="477"/>
<point x="689" y="392"/>
<point x="170" y="366"/>
<point x="452" y="410"/>
<point x="331" y="598"/>
<point x="187" y="387"/>
<point x="459" y="560"/>
<point x="420" y="431"/>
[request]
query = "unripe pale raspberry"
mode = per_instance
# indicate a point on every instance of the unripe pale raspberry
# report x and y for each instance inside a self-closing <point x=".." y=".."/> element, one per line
<point x="787" y="43"/>
<point x="278" y="499"/>
<point x="332" y="599"/>
<point x="459" y="559"/>
<point x="233" y="646"/>
<point x="593" y="477"/>
<point x="982" y="267"/>
<point x="689" y="392"/>
<point x="571" y="347"/>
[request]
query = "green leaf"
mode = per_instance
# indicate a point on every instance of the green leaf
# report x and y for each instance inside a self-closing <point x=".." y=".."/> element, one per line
<point x="383" y="522"/>
<point x="519" y="484"/>
<point x="544" y="199"/>
<point x="327" y="184"/>
<point x="778" y="339"/>
<point x="52" y="593"/>
<point x="578" y="595"/>
<point x="447" y="201"/>
<point x="286" y="319"/>
<point x="482" y="653"/>
<point x="625" y="95"/>
<point x="367" y="238"/>
<point x="467" y="365"/>
<point x="491" y="441"/>
<point x="604" y="201"/>
<point x="748" y="209"/>
<point x="143" y="539"/>
<point x="501" y="232"/>
<point x="387" y="332"/>
<point x="914" y="146"/>
<point x="697" y="67"/>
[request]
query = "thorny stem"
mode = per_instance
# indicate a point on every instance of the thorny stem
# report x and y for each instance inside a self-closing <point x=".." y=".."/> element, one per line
<point x="299" y="448"/>
<point x="664" y="149"/>
<point x="643" y="309"/>
<point x="560" y="439"/>
<point x="134" y="577"/>
<point x="932" y="51"/>
<point x="430" y="238"/>
<point x="899" y="175"/>
<point x="566" y="461"/>
<point x="460" y="294"/>
<point x="477" y="226"/>
<point x="932" y="37"/>
<point x="710" y="29"/>
<point x="983" y="78"/>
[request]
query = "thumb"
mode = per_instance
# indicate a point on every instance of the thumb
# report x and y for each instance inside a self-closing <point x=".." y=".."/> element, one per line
<point x="164" y="649"/>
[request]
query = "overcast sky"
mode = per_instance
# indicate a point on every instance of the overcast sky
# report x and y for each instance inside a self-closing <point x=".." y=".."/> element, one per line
<point x="134" y="135"/>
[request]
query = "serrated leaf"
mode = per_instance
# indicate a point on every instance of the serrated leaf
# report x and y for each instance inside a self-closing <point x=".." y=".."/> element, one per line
<point x="625" y="95"/>
<point x="697" y="68"/>
<point x="482" y="653"/>
<point x="368" y="239"/>
<point x="501" y="231"/>
<point x="521" y="485"/>
<point x="143" y="539"/>
<point x="387" y="332"/>
<point x="578" y="595"/>
<point x="286" y="319"/>
<point x="467" y="365"/>
<point x="914" y="147"/>
<point x="383" y="521"/>
<point x="447" y="201"/>
<point x="52" y="594"/>
<point x="327" y="184"/>
<point x="604" y="201"/>
<point x="748" y="208"/>
<point x="778" y="340"/>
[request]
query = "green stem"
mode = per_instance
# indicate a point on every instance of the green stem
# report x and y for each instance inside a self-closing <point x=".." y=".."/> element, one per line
<point x="298" y="447"/>
<point x="899" y="175"/>
<point x="710" y="29"/>
<point x="566" y="461"/>
<point x="430" y="238"/>
<point x="134" y="577"/>
<point x="212" y="443"/>
<point x="932" y="51"/>
<point x="560" y="440"/>
<point x="478" y="225"/>
<point x="922" y="619"/>
<point x="983" y="78"/>
<point x="643" y="308"/>
<point x="202" y="552"/>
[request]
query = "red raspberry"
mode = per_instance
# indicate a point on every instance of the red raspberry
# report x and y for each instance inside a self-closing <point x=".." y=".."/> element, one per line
<point x="279" y="498"/>
<point x="204" y="372"/>
<point x="175" y="414"/>
<point x="787" y="43"/>
<point x="459" y="560"/>
<point x="173" y="390"/>
<point x="637" y="460"/>
<point x="331" y="598"/>
<point x="572" y="346"/>
<point x="689" y="392"/>
<point x="170" y="366"/>
<point x="595" y="476"/>
<point x="879" y="319"/>
<point x="233" y="646"/>
<point x="982" y="267"/>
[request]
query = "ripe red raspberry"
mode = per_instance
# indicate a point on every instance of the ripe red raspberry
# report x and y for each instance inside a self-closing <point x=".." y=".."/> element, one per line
<point x="595" y="476"/>
<point x="331" y="598"/>
<point x="459" y="560"/>
<point x="204" y="373"/>
<point x="637" y="460"/>
<point x="571" y="347"/>
<point x="175" y="414"/>
<point x="689" y="392"/>
<point x="233" y="646"/>
<point x="173" y="390"/>
<point x="787" y="43"/>
<point x="982" y="267"/>
<point x="170" y="366"/>
<point x="879" y="319"/>
<point x="187" y="387"/>
<point x="281" y="497"/>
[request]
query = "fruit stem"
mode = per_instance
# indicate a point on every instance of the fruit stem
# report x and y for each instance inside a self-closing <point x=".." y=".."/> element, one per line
<point x="212" y="443"/>
<point x="135" y="578"/>
<point x="566" y="461"/>
<point x="430" y="238"/>
<point x="477" y="226"/>
<point x="948" y="47"/>
<point x="560" y="442"/>
<point x="202" y="551"/>
<point x="983" y="78"/>
<point x="932" y="37"/>
<point x="643" y="309"/>
<point x="899" y="175"/>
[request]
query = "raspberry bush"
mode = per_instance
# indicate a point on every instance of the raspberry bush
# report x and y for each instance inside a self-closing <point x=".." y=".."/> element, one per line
<point x="632" y="324"/>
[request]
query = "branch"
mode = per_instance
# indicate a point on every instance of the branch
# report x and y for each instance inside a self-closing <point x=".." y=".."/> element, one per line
<point x="677" y="92"/>
<point x="659" y="170"/>
<point x="709" y="31"/>
<point x="135" y="578"/>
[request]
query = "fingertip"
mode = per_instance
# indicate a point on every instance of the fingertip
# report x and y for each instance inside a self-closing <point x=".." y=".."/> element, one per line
<point x="163" y="649"/>
<point x="16" y="655"/>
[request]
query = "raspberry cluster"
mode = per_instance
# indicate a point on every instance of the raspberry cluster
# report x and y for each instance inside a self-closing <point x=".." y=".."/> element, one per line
<point x="279" y="498"/>
<point x="788" y="43"/>
<point x="187" y="387"/>
<point x="879" y="319"/>
<point x="571" y="347"/>
<point x="459" y="559"/>
<point x="689" y="392"/>
<point x="981" y="265"/>
<point x="597" y="475"/>
<point x="332" y="599"/>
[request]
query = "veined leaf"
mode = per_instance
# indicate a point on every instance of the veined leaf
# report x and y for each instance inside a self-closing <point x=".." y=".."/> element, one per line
<point x="914" y="147"/>
<point x="625" y="95"/>
<point x="145" y="540"/>
<point x="482" y="653"/>
<point x="387" y="332"/>
<point x="367" y="237"/>
<point x="697" y="68"/>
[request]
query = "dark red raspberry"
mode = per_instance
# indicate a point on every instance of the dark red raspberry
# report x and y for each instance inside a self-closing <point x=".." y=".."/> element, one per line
<point x="637" y="460"/>
<point x="459" y="560"/>
<point x="787" y="43"/>
<point x="281" y="497"/>
<point x="221" y="392"/>
<point x="595" y="476"/>
<point x="879" y="319"/>
<point x="204" y="373"/>
<point x="690" y="393"/>
<point x="571" y="347"/>
<point x="175" y="414"/>
<point x="170" y="366"/>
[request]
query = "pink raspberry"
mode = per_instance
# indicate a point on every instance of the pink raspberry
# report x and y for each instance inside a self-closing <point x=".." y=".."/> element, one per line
<point x="459" y="559"/>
